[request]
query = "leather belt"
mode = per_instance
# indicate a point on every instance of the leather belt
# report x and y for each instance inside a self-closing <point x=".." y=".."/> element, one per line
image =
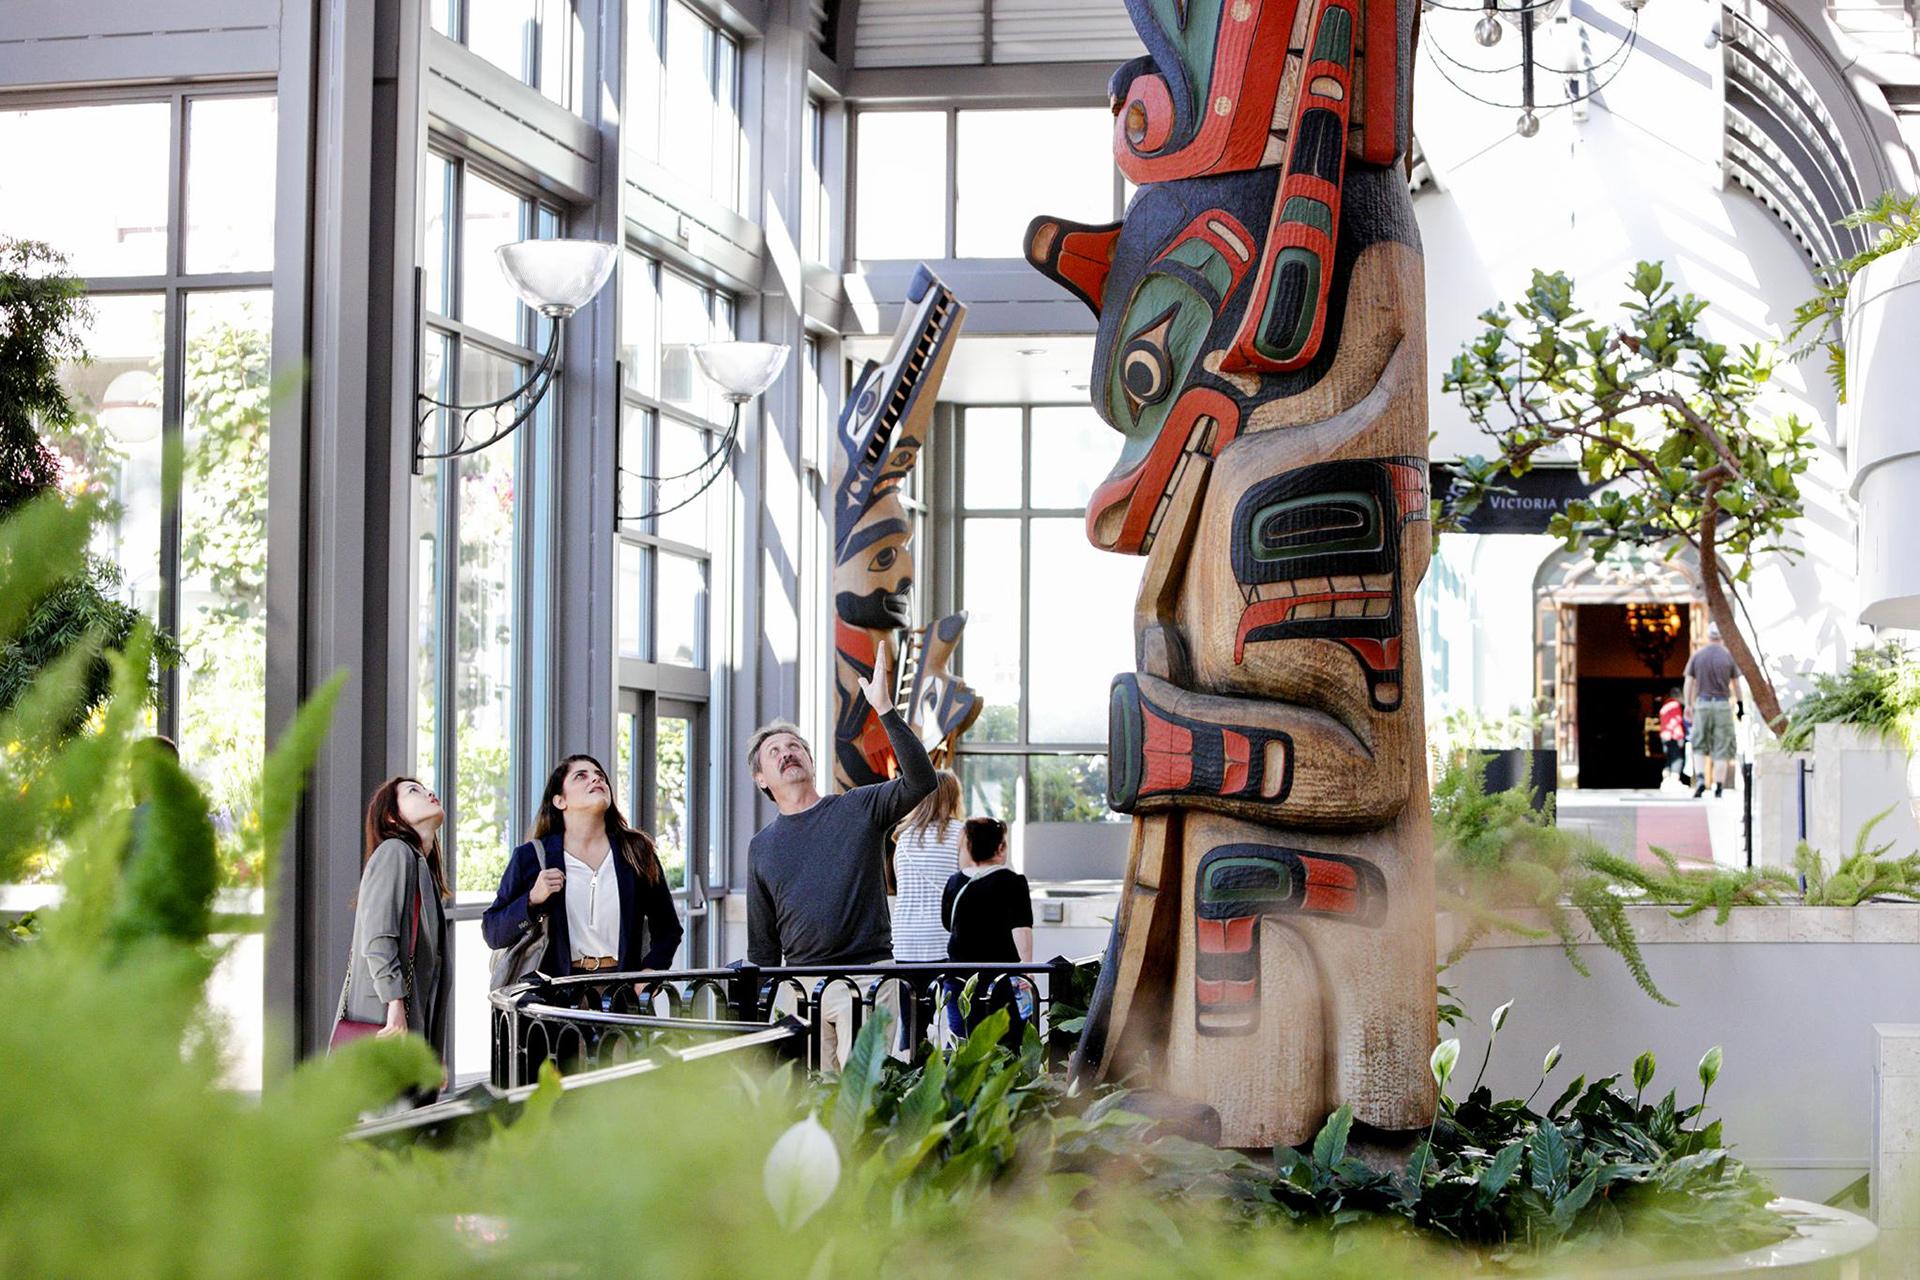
<point x="593" y="964"/>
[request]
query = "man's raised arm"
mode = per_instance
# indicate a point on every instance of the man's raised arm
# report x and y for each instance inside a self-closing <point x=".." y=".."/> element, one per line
<point x="895" y="798"/>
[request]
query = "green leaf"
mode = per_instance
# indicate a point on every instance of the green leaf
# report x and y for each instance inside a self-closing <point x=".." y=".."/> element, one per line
<point x="1643" y="1067"/>
<point x="1496" y="1176"/>
<point x="1330" y="1147"/>
<point x="853" y="1101"/>
<point x="1547" y="1155"/>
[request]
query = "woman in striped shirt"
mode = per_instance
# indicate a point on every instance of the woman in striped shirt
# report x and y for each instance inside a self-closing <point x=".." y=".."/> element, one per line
<point x="926" y="852"/>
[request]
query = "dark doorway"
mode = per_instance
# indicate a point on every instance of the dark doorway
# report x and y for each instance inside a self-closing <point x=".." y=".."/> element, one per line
<point x="1629" y="656"/>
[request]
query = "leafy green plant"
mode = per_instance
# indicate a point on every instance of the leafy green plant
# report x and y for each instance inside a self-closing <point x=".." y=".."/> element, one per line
<point x="1663" y="419"/>
<point x="1565" y="1179"/>
<point x="1866" y="873"/>
<point x="1894" y="222"/>
<point x="42" y="317"/>
<point x="1879" y="690"/>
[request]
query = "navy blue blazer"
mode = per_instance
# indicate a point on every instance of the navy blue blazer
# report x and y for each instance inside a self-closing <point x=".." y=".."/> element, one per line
<point x="511" y="914"/>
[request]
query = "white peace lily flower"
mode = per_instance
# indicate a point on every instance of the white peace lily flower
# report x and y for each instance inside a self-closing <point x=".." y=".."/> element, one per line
<point x="801" y="1172"/>
<point x="1445" y="1054"/>
<point x="1500" y="1016"/>
<point x="1553" y="1060"/>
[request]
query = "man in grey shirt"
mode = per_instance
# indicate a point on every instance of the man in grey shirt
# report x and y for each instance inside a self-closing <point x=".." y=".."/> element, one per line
<point x="816" y="882"/>
<point x="1712" y="680"/>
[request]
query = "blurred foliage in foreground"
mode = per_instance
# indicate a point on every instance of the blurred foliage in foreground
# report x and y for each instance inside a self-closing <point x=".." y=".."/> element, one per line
<point x="123" y="1159"/>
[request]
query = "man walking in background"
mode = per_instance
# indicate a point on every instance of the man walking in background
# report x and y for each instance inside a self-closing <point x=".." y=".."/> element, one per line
<point x="1713" y="684"/>
<point x="816" y="877"/>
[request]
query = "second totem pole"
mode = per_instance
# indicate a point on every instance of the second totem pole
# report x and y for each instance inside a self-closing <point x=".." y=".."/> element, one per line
<point x="1261" y="349"/>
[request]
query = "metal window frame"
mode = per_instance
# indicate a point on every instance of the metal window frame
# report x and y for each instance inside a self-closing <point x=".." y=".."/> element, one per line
<point x="460" y="336"/>
<point x="173" y="286"/>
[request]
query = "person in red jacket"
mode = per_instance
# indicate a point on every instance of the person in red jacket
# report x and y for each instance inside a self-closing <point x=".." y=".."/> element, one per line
<point x="1673" y="736"/>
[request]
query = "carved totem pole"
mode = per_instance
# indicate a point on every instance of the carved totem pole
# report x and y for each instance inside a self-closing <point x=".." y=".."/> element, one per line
<point x="1261" y="348"/>
<point x="881" y="431"/>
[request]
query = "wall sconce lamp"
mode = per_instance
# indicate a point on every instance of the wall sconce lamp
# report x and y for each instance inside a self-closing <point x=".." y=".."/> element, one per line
<point x="555" y="278"/>
<point x="742" y="370"/>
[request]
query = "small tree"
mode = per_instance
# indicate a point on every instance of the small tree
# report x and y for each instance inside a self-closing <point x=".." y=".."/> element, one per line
<point x="42" y="317"/>
<point x="1664" y="419"/>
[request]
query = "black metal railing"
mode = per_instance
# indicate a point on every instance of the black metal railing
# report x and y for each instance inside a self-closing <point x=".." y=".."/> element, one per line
<point x="592" y="1021"/>
<point x="472" y="1111"/>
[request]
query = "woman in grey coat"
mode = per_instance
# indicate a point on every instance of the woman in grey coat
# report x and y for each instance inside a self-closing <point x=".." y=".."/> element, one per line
<point x="397" y="975"/>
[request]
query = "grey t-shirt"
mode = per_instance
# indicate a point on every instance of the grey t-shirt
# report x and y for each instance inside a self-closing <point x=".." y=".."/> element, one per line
<point x="1712" y="670"/>
<point x="816" y="880"/>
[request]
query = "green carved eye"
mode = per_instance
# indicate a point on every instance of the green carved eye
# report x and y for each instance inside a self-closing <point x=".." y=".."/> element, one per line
<point x="1146" y="368"/>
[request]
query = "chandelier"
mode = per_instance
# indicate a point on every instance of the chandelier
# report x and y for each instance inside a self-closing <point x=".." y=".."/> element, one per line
<point x="1538" y="22"/>
<point x="1651" y="630"/>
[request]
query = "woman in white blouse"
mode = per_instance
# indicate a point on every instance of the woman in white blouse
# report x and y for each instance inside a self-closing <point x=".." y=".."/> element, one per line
<point x="616" y="908"/>
<point x="926" y="852"/>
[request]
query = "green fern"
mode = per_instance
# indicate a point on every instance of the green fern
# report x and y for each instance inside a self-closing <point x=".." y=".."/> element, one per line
<point x="1863" y="875"/>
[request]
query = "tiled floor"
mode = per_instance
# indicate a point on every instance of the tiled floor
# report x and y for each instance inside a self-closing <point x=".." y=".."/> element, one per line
<point x="1703" y="830"/>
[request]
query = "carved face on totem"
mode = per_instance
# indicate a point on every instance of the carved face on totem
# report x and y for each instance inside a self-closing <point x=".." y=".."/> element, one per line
<point x="881" y="431"/>
<point x="1221" y="291"/>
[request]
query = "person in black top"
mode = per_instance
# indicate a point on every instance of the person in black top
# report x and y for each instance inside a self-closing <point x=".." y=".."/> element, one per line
<point x="988" y="912"/>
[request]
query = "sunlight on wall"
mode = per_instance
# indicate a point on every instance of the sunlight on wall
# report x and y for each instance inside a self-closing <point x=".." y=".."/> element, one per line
<point x="1638" y="180"/>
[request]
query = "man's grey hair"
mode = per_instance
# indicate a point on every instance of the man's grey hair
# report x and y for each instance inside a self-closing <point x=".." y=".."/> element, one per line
<point x="766" y="731"/>
<point x="1713" y="631"/>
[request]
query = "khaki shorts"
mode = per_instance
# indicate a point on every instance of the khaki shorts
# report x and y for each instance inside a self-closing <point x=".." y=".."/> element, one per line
<point x="1713" y="729"/>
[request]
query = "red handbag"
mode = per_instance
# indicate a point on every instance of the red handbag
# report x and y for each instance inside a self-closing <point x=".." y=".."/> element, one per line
<point x="346" y="1030"/>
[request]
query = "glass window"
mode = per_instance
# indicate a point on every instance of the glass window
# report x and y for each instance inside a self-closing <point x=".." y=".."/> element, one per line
<point x="107" y="215"/>
<point x="484" y="667"/>
<point x="1073" y="450"/>
<point x="223" y="552"/>
<point x="900" y="185"/>
<point x="1068" y="789"/>
<point x="113" y="449"/>
<point x="673" y="791"/>
<point x="991" y="467"/>
<point x="639" y="325"/>
<point x="632" y="599"/>
<point x="1011" y="163"/>
<point x="726" y="121"/>
<point x="991" y="785"/>
<point x="684" y="324"/>
<point x="818" y="213"/>
<point x="990" y="645"/>
<point x="625" y="761"/>
<point x="1081" y="605"/>
<point x="490" y="216"/>
<point x="229" y="187"/>
<point x="687" y="147"/>
<point x="503" y="32"/>
<point x="646" y="76"/>
<point x="436" y="184"/>
<point x="681" y="453"/>
<point x="680" y="635"/>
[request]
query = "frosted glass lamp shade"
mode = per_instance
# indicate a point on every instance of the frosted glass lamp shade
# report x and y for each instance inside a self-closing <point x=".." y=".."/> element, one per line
<point x="742" y="370"/>
<point x="557" y="277"/>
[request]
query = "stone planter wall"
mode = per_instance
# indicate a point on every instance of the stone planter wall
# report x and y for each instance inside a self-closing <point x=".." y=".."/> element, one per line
<point x="1856" y="774"/>
<point x="1790" y="993"/>
<point x="1777" y="805"/>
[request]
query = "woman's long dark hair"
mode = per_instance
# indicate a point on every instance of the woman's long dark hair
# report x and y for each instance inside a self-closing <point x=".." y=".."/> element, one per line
<point x="385" y="823"/>
<point x="633" y="844"/>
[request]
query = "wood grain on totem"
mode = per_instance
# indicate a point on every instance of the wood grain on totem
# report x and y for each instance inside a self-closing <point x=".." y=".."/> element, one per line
<point x="1361" y="993"/>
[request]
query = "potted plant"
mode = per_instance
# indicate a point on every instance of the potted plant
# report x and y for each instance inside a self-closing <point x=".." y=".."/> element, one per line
<point x="1509" y="746"/>
<point x="1859" y="726"/>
